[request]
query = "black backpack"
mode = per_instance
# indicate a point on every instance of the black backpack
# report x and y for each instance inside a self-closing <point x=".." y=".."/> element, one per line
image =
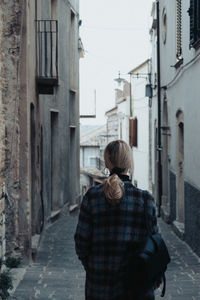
<point x="146" y="266"/>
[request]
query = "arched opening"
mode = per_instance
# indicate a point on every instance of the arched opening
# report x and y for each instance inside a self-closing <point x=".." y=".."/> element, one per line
<point x="180" y="168"/>
<point x="165" y="161"/>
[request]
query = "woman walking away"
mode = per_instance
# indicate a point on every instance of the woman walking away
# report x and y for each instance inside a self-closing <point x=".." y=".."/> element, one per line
<point x="111" y="218"/>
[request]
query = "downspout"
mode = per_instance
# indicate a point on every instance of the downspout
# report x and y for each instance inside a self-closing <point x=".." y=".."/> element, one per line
<point x="35" y="9"/>
<point x="159" y="146"/>
<point x="131" y="109"/>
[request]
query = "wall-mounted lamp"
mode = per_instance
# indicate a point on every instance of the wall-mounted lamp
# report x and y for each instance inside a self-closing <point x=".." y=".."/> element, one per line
<point x="148" y="91"/>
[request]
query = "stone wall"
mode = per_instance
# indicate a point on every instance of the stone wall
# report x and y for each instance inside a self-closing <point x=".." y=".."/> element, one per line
<point x="26" y="125"/>
<point x="10" y="80"/>
<point x="13" y="128"/>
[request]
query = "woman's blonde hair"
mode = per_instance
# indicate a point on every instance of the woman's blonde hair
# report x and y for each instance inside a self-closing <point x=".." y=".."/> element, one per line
<point x="117" y="154"/>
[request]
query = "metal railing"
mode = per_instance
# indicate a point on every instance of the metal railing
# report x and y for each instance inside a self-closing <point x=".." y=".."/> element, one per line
<point x="47" y="48"/>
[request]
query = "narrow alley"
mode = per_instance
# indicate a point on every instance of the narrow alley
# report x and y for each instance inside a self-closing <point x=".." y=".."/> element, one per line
<point x="76" y="75"/>
<point x="58" y="275"/>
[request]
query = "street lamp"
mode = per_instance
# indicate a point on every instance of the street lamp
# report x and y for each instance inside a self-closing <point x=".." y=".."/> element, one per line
<point x="119" y="80"/>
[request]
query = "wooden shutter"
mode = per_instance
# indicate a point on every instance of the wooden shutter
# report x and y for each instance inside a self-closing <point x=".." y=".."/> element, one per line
<point x="133" y="132"/>
<point x="135" y="137"/>
<point x="178" y="29"/>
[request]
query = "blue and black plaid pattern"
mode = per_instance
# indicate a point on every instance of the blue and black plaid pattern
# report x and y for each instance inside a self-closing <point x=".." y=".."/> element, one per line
<point x="103" y="234"/>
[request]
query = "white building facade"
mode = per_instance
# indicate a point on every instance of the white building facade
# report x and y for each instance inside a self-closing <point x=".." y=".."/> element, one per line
<point x="180" y="110"/>
<point x="92" y="144"/>
<point x="118" y="116"/>
<point x="140" y="104"/>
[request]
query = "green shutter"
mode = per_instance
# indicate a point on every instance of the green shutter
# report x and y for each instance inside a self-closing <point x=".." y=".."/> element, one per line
<point x="194" y="13"/>
<point x="192" y="21"/>
<point x="198" y="19"/>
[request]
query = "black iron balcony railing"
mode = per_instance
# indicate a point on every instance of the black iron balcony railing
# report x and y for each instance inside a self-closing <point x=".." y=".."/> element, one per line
<point x="46" y="55"/>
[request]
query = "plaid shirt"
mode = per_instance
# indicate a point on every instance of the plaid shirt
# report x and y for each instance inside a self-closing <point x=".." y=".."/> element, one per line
<point x="103" y="234"/>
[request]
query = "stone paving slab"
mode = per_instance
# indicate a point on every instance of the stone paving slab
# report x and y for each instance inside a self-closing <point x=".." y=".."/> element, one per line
<point x="58" y="275"/>
<point x="183" y="274"/>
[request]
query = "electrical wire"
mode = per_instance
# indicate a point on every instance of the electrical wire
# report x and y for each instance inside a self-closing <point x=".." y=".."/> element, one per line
<point x="138" y="99"/>
<point x="182" y="70"/>
<point x="114" y="28"/>
<point x="141" y="107"/>
<point x="103" y="59"/>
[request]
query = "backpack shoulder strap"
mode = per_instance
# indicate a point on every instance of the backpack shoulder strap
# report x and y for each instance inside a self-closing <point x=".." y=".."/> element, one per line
<point x="146" y="212"/>
<point x="150" y="234"/>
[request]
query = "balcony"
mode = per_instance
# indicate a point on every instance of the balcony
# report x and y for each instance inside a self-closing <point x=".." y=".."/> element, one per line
<point x="46" y="56"/>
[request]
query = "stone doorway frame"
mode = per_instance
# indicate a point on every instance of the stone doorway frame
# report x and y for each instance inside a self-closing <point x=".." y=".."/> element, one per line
<point x="180" y="207"/>
<point x="165" y="161"/>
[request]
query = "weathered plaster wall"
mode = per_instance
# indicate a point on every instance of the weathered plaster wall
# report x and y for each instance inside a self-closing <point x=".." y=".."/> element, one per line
<point x="61" y="176"/>
<point x="17" y="93"/>
<point x="182" y="95"/>
<point x="25" y="123"/>
<point x="10" y="86"/>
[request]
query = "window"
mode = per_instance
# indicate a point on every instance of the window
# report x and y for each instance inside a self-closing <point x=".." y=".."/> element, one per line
<point x="54" y="9"/>
<point x="72" y="108"/>
<point x="179" y="29"/>
<point x="93" y="161"/>
<point x="133" y="132"/>
<point x="194" y="13"/>
<point x="73" y="49"/>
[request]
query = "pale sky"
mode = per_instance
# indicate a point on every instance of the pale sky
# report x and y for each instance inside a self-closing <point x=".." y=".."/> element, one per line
<point x="115" y="36"/>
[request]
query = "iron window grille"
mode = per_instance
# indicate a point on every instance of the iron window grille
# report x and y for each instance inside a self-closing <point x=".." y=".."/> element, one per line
<point x="194" y="13"/>
<point x="179" y="29"/>
<point x="47" y="50"/>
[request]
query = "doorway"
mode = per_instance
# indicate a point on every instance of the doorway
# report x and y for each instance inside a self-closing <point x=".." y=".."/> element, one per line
<point x="54" y="160"/>
<point x="165" y="160"/>
<point x="32" y="142"/>
<point x="180" y="209"/>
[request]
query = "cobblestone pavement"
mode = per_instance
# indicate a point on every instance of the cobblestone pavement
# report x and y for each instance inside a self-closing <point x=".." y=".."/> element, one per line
<point x="183" y="274"/>
<point x="58" y="275"/>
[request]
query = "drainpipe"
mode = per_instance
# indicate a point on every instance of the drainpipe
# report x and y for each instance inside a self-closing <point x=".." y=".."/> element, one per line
<point x="131" y="109"/>
<point x="159" y="146"/>
<point x="36" y="6"/>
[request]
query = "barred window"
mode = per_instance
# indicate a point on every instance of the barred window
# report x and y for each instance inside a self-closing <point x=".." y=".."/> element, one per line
<point x="194" y="13"/>
<point x="178" y="29"/>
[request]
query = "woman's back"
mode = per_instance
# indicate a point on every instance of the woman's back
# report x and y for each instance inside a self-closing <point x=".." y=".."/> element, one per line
<point x="103" y="234"/>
